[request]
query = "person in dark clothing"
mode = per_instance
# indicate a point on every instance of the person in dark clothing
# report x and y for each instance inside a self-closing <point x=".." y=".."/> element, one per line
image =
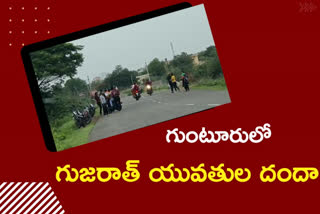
<point x="148" y="82"/>
<point x="185" y="81"/>
<point x="135" y="87"/>
<point x="170" y="82"/>
<point x="97" y="98"/>
<point x="115" y="92"/>
<point x="116" y="97"/>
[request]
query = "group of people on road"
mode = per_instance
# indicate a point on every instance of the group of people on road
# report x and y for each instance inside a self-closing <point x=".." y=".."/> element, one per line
<point x="106" y="100"/>
<point x="173" y="82"/>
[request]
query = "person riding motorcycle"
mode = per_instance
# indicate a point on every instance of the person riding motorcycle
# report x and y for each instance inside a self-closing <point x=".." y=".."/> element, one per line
<point x="135" y="88"/>
<point x="148" y="86"/>
<point x="149" y="82"/>
<point x="115" y="93"/>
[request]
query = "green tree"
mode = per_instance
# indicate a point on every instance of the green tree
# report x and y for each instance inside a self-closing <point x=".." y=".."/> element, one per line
<point x="95" y="85"/>
<point x="56" y="63"/>
<point x="156" y="68"/>
<point x="210" y="69"/>
<point x="120" y="77"/>
<point x="214" y="68"/>
<point x="182" y="63"/>
<point x="76" y="86"/>
<point x="210" y="52"/>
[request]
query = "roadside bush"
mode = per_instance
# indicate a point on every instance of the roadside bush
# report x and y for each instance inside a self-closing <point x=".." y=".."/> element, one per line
<point x="217" y="84"/>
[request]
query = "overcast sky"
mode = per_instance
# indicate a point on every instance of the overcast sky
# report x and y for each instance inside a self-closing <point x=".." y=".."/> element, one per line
<point x="133" y="45"/>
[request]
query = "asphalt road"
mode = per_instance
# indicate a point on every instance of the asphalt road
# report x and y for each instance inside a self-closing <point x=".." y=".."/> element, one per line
<point x="159" y="107"/>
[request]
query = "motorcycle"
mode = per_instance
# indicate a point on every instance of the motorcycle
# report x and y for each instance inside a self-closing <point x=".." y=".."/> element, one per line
<point x="137" y="94"/>
<point x="78" y="118"/>
<point x="149" y="89"/>
<point x="82" y="118"/>
<point x="117" y="103"/>
<point x="86" y="113"/>
<point x="92" y="110"/>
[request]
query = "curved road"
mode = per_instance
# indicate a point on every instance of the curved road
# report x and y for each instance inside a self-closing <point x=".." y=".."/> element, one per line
<point x="159" y="107"/>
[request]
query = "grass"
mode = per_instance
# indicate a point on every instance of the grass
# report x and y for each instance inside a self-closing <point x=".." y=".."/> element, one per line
<point x="67" y="135"/>
<point x="126" y="92"/>
<point x="210" y="84"/>
<point x="161" y="88"/>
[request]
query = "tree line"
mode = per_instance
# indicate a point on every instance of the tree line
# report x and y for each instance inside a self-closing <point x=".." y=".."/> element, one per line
<point x="208" y="67"/>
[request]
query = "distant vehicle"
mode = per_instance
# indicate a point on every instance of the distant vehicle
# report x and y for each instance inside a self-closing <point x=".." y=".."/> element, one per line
<point x="149" y="89"/>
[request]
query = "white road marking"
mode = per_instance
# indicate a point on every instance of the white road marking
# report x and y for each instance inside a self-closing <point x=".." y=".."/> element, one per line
<point x="190" y="104"/>
<point x="213" y="104"/>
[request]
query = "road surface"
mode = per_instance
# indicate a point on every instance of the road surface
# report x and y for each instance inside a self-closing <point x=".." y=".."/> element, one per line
<point x="149" y="110"/>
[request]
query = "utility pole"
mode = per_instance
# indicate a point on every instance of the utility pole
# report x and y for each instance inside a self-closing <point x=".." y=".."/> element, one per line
<point x="89" y="86"/>
<point x="172" y="49"/>
<point x="166" y="65"/>
<point x="148" y="71"/>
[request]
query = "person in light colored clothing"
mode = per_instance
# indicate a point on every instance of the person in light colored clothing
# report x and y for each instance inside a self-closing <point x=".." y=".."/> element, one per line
<point x="103" y="103"/>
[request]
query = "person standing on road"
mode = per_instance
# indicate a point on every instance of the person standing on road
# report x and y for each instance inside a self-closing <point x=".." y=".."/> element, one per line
<point x="103" y="103"/>
<point x="185" y="81"/>
<point x="108" y="99"/>
<point x="170" y="82"/>
<point x="174" y="82"/>
<point x="97" y="98"/>
<point x="111" y="99"/>
<point x="106" y="93"/>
